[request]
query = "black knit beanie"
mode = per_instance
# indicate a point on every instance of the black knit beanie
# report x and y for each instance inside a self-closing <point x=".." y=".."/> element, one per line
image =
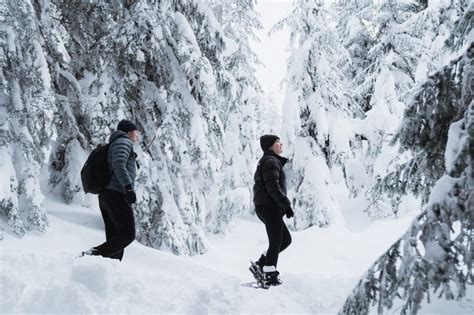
<point x="126" y="126"/>
<point x="266" y="141"/>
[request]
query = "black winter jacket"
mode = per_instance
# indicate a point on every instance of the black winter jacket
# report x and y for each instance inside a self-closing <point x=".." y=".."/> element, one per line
<point x="270" y="182"/>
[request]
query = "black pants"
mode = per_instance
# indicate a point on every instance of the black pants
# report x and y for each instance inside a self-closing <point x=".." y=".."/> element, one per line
<point x="279" y="237"/>
<point x="119" y="224"/>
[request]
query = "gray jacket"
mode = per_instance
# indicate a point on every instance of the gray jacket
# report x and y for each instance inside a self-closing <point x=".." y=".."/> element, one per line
<point x="121" y="159"/>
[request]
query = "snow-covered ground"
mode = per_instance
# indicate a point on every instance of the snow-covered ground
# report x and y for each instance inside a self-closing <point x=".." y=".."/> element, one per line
<point x="42" y="273"/>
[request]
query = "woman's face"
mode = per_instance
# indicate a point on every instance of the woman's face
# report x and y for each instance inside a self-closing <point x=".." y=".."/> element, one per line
<point x="277" y="147"/>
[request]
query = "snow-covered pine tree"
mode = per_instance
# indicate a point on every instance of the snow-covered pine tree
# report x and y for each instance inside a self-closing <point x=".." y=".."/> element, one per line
<point x="418" y="30"/>
<point x="317" y="114"/>
<point x="388" y="76"/>
<point x="369" y="31"/>
<point x="269" y="117"/>
<point x="355" y="18"/>
<point x="435" y="254"/>
<point x="77" y="32"/>
<point x="420" y="41"/>
<point x="462" y="32"/>
<point x="26" y="109"/>
<point x="431" y="28"/>
<point x="158" y="63"/>
<point x="243" y="98"/>
<point x="191" y="133"/>
<point x="400" y="41"/>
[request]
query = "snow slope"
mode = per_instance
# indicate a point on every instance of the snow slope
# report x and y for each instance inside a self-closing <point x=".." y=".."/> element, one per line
<point x="41" y="273"/>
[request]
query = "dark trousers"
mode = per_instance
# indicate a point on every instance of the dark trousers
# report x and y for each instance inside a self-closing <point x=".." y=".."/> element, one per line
<point x="279" y="237"/>
<point x="119" y="224"/>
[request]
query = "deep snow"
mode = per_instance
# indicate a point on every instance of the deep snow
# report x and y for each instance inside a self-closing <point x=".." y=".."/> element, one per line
<point x="41" y="273"/>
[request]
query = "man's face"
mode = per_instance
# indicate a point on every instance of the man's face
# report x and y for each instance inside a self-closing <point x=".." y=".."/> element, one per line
<point x="277" y="147"/>
<point x="133" y="135"/>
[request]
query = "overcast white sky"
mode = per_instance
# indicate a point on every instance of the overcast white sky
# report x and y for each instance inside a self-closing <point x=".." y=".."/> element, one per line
<point x="272" y="50"/>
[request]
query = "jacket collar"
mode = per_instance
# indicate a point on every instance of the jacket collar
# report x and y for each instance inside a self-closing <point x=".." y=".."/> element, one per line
<point x="117" y="134"/>
<point x="282" y="159"/>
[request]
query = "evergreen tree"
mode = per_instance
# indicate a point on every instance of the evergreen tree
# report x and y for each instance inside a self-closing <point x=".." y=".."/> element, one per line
<point x="160" y="64"/>
<point x="355" y="18"/>
<point x="389" y="74"/>
<point x="424" y="34"/>
<point x="83" y="118"/>
<point x="432" y="27"/>
<point x="269" y="117"/>
<point x="244" y="97"/>
<point x="155" y="63"/>
<point x="435" y="254"/>
<point x="317" y="115"/>
<point x="462" y="29"/>
<point x="26" y="110"/>
<point x="399" y="43"/>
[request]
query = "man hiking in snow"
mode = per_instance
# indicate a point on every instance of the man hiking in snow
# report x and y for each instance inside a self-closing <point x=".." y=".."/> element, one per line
<point x="116" y="198"/>
<point x="271" y="203"/>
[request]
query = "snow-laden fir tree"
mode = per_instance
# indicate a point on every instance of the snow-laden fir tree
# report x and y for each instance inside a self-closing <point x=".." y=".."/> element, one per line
<point x="77" y="64"/>
<point x="269" y="117"/>
<point x="317" y="113"/>
<point x="418" y="44"/>
<point x="434" y="257"/>
<point x="462" y="32"/>
<point x="411" y="32"/>
<point x="431" y="28"/>
<point x="242" y="97"/>
<point x="389" y="74"/>
<point x="193" y="164"/>
<point x="159" y="64"/>
<point x="357" y="37"/>
<point x="400" y="42"/>
<point x="27" y="105"/>
<point x="414" y="173"/>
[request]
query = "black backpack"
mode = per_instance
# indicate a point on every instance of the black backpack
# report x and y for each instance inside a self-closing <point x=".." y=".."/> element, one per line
<point x="95" y="172"/>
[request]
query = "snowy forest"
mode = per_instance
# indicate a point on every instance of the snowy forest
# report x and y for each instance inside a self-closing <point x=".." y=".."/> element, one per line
<point x="377" y="122"/>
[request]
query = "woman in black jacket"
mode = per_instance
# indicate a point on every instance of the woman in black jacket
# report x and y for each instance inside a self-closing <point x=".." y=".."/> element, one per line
<point x="271" y="203"/>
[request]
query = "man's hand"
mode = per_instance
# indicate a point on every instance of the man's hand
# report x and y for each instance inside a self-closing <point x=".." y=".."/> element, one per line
<point x="130" y="195"/>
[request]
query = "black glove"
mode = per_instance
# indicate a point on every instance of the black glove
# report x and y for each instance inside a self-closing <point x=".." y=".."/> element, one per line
<point x="289" y="213"/>
<point x="130" y="195"/>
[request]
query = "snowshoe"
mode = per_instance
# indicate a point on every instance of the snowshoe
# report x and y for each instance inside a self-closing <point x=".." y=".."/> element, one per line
<point x="257" y="273"/>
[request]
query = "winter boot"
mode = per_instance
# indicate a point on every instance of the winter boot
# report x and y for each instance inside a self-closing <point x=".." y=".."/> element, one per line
<point x="261" y="262"/>
<point x="271" y="277"/>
